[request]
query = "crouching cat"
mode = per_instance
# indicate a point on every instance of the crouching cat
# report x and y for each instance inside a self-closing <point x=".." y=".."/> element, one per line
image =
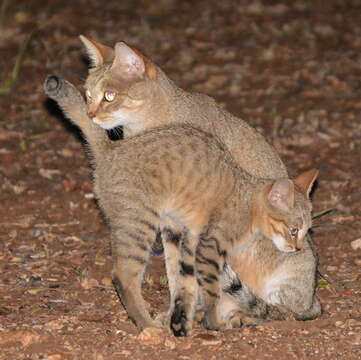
<point x="184" y="182"/>
<point x="276" y="285"/>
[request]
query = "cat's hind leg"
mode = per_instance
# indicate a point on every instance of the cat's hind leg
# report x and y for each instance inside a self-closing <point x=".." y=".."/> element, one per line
<point x="210" y="260"/>
<point x="312" y="313"/>
<point x="183" y="282"/>
<point x="302" y="303"/>
<point x="238" y="306"/>
<point x="131" y="246"/>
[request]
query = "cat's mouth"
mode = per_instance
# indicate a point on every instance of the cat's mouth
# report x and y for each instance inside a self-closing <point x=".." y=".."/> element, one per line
<point x="107" y="125"/>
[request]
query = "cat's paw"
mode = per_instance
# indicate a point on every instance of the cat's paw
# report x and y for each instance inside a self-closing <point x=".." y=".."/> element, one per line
<point x="180" y="324"/>
<point x="278" y="312"/>
<point x="235" y="321"/>
<point x="52" y="85"/>
<point x="239" y="319"/>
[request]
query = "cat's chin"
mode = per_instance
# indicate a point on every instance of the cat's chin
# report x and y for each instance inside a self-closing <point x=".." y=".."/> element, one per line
<point x="108" y="125"/>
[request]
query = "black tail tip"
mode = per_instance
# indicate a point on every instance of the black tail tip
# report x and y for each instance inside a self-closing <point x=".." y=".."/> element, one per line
<point x="52" y="85"/>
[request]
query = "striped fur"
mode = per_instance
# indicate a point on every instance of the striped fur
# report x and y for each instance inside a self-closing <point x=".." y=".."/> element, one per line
<point x="205" y="234"/>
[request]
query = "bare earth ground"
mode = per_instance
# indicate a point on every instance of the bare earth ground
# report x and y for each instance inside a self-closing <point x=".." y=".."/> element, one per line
<point x="290" y="68"/>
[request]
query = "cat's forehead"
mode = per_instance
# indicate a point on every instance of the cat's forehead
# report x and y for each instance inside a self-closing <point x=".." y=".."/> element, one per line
<point x="104" y="79"/>
<point x="302" y="203"/>
<point x="302" y="211"/>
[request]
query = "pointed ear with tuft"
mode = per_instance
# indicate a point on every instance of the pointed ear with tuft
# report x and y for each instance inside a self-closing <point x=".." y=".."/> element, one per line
<point x="98" y="53"/>
<point x="305" y="181"/>
<point x="281" y="195"/>
<point x="128" y="63"/>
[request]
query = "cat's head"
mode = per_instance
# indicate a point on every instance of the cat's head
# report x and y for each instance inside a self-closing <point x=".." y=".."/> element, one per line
<point x="117" y="83"/>
<point x="282" y="211"/>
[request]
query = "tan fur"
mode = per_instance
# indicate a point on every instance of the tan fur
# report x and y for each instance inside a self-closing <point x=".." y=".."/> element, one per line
<point x="163" y="103"/>
<point x="137" y="183"/>
<point x="282" y="278"/>
<point x="154" y="101"/>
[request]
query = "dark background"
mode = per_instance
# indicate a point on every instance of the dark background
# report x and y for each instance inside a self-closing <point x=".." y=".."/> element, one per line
<point x="290" y="68"/>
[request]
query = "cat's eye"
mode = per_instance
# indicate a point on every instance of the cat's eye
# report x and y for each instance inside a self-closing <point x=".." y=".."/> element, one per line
<point x="109" y="95"/>
<point x="293" y="231"/>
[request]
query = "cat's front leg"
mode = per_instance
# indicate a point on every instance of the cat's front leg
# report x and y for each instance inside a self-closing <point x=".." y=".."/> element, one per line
<point x="68" y="98"/>
<point x="74" y="107"/>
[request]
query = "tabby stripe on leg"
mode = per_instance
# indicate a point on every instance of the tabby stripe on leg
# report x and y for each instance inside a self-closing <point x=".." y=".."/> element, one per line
<point x="216" y="245"/>
<point x="211" y="293"/>
<point x="139" y="241"/>
<point x="187" y="250"/>
<point x="203" y="260"/>
<point x="186" y="269"/>
<point x="149" y="225"/>
<point x="210" y="278"/>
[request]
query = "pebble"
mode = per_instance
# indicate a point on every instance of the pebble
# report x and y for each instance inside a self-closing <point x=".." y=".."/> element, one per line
<point x="169" y="344"/>
<point x="151" y="336"/>
<point x="53" y="325"/>
<point x="25" y="337"/>
<point x="356" y="340"/>
<point x="106" y="281"/>
<point x="331" y="268"/>
<point x="38" y="233"/>
<point x="340" y="324"/>
<point x="211" y="342"/>
<point x="87" y="283"/>
<point x="55" y="357"/>
<point x="356" y="244"/>
<point x="21" y="283"/>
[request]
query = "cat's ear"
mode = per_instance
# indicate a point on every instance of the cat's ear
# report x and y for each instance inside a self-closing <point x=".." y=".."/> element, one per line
<point x="305" y="181"/>
<point x="98" y="53"/>
<point x="282" y="195"/>
<point x="128" y="62"/>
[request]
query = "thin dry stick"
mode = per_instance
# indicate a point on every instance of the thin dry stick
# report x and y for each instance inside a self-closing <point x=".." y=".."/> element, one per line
<point x="3" y="10"/>
<point x="322" y="213"/>
<point x="8" y="83"/>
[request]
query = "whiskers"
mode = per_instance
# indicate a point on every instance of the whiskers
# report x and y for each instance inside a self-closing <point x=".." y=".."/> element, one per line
<point x="318" y="217"/>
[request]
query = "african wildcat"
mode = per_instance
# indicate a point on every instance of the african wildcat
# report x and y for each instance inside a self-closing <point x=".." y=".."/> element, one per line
<point x="125" y="88"/>
<point x="186" y="183"/>
<point x="137" y="94"/>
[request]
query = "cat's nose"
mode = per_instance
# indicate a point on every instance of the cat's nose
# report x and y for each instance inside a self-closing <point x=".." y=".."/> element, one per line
<point x="91" y="115"/>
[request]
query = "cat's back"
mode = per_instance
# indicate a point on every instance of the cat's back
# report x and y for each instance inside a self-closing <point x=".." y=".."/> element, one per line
<point x="168" y="160"/>
<point x="249" y="148"/>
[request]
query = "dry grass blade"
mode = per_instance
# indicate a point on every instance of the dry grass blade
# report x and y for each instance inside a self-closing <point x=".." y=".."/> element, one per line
<point x="321" y="213"/>
<point x="4" y="7"/>
<point x="5" y="88"/>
